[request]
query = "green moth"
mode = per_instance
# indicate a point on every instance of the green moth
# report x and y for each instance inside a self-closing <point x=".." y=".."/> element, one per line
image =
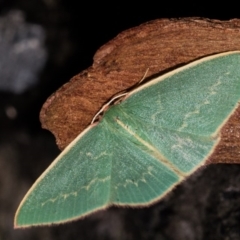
<point x="142" y="147"/>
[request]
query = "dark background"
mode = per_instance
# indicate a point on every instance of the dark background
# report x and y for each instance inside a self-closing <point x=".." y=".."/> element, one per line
<point x="206" y="206"/>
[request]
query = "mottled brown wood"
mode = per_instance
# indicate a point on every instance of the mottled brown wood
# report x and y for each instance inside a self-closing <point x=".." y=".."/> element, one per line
<point x="159" y="46"/>
<point x="228" y="150"/>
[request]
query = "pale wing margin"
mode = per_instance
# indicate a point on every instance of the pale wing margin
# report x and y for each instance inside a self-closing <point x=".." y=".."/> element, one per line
<point x="197" y="98"/>
<point x="75" y="184"/>
<point x="181" y="114"/>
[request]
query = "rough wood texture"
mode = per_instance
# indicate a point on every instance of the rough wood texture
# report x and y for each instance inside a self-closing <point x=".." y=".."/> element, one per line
<point x="159" y="46"/>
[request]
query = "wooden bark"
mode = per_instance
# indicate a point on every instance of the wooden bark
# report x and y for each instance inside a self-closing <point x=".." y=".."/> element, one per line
<point x="159" y="46"/>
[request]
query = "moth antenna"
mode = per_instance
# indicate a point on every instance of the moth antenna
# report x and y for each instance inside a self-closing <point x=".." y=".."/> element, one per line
<point x="144" y="76"/>
<point x="107" y="104"/>
<point x="116" y="97"/>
